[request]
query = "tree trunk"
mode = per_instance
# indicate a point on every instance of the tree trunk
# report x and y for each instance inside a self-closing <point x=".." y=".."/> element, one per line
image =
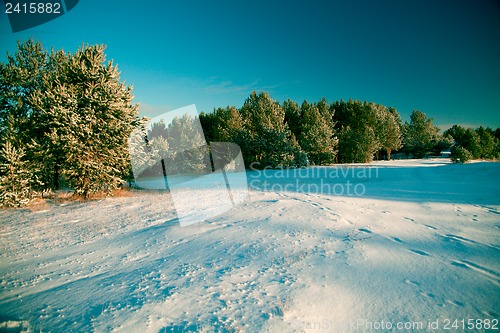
<point x="55" y="183"/>
<point x="164" y="174"/>
<point x="388" y="154"/>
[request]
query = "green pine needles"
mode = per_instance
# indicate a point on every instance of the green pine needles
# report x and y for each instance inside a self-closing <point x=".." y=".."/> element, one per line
<point x="71" y="116"/>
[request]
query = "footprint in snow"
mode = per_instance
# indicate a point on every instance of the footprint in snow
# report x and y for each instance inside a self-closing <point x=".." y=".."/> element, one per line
<point x="413" y="283"/>
<point x="456" y="303"/>
<point x="451" y="237"/>
<point x="493" y="211"/>
<point x="422" y="253"/>
<point x="491" y="275"/>
<point x="428" y="295"/>
<point x="397" y="239"/>
<point x="430" y="226"/>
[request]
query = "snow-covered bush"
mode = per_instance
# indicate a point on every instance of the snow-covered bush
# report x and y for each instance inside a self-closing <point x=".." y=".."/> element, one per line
<point x="18" y="182"/>
<point x="460" y="154"/>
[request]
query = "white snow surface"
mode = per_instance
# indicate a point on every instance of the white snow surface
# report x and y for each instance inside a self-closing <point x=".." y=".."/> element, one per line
<point x="417" y="243"/>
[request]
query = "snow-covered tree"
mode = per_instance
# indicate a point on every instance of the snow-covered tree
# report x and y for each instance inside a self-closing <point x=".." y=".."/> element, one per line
<point x="388" y="128"/>
<point x="488" y="143"/>
<point x="420" y="135"/>
<point x="89" y="115"/>
<point x="317" y="138"/>
<point x="18" y="178"/>
<point x="141" y="151"/>
<point x="267" y="138"/>
<point x="480" y="143"/>
<point x="222" y="125"/>
<point x="460" y="155"/>
<point x="20" y="76"/>
<point x="189" y="150"/>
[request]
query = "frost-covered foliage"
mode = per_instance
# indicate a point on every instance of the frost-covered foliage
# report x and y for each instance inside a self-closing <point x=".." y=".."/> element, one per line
<point x="388" y="129"/>
<point x="317" y="137"/>
<point x="70" y="113"/>
<point x="265" y="137"/>
<point x="178" y="147"/>
<point x="480" y="142"/>
<point x="420" y="135"/>
<point x="460" y="154"/>
<point x="18" y="178"/>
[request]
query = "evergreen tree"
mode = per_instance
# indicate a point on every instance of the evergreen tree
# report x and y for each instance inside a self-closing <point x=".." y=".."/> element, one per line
<point x="187" y="146"/>
<point x="18" y="179"/>
<point x="20" y="76"/>
<point x="457" y="132"/>
<point x="316" y="136"/>
<point x="267" y="138"/>
<point x="443" y="142"/>
<point x="460" y="155"/>
<point x="355" y="122"/>
<point x="230" y="124"/>
<point x="488" y="143"/>
<point x="293" y="117"/>
<point x="357" y="146"/>
<point x="145" y="150"/>
<point x="25" y="74"/>
<point x="388" y="130"/>
<point x="481" y="142"/>
<point x="471" y="141"/>
<point x="325" y="110"/>
<point x="496" y="133"/>
<point x="420" y="135"/>
<point x="89" y="116"/>
<point x="209" y="122"/>
<point x="222" y="125"/>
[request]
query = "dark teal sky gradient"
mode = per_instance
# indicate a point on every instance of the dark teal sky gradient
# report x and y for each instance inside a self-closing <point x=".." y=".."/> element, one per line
<point x="440" y="57"/>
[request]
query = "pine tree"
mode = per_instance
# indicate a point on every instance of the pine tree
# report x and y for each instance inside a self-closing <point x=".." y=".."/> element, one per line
<point x="293" y="117"/>
<point x="420" y="135"/>
<point x="89" y="115"/>
<point x="19" y="78"/>
<point x="266" y="138"/>
<point x="488" y="143"/>
<point x="316" y="138"/>
<point x="460" y="155"/>
<point x="443" y="142"/>
<point x="326" y="111"/>
<point x="222" y="125"/>
<point x="139" y="152"/>
<point x="356" y="123"/>
<point x="388" y="129"/>
<point x="187" y="146"/>
<point x="18" y="178"/>
<point x="480" y="143"/>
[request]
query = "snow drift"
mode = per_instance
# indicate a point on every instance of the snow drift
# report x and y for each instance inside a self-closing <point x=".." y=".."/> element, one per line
<point x="414" y="245"/>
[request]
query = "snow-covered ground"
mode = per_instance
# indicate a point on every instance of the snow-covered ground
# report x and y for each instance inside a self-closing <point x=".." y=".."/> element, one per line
<point x="402" y="245"/>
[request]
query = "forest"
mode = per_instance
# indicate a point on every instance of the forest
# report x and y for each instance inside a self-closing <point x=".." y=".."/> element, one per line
<point x="66" y="120"/>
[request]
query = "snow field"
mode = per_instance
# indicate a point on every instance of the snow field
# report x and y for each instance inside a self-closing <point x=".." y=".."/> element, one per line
<point x="421" y="245"/>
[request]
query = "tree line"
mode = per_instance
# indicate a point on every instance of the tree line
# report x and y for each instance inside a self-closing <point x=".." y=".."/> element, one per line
<point x="66" y="121"/>
<point x="322" y="133"/>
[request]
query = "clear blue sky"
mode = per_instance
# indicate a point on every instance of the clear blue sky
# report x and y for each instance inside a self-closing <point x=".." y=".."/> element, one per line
<point x="440" y="57"/>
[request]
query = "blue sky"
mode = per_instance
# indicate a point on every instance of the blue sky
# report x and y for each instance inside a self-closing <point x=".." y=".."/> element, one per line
<point x="440" y="57"/>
